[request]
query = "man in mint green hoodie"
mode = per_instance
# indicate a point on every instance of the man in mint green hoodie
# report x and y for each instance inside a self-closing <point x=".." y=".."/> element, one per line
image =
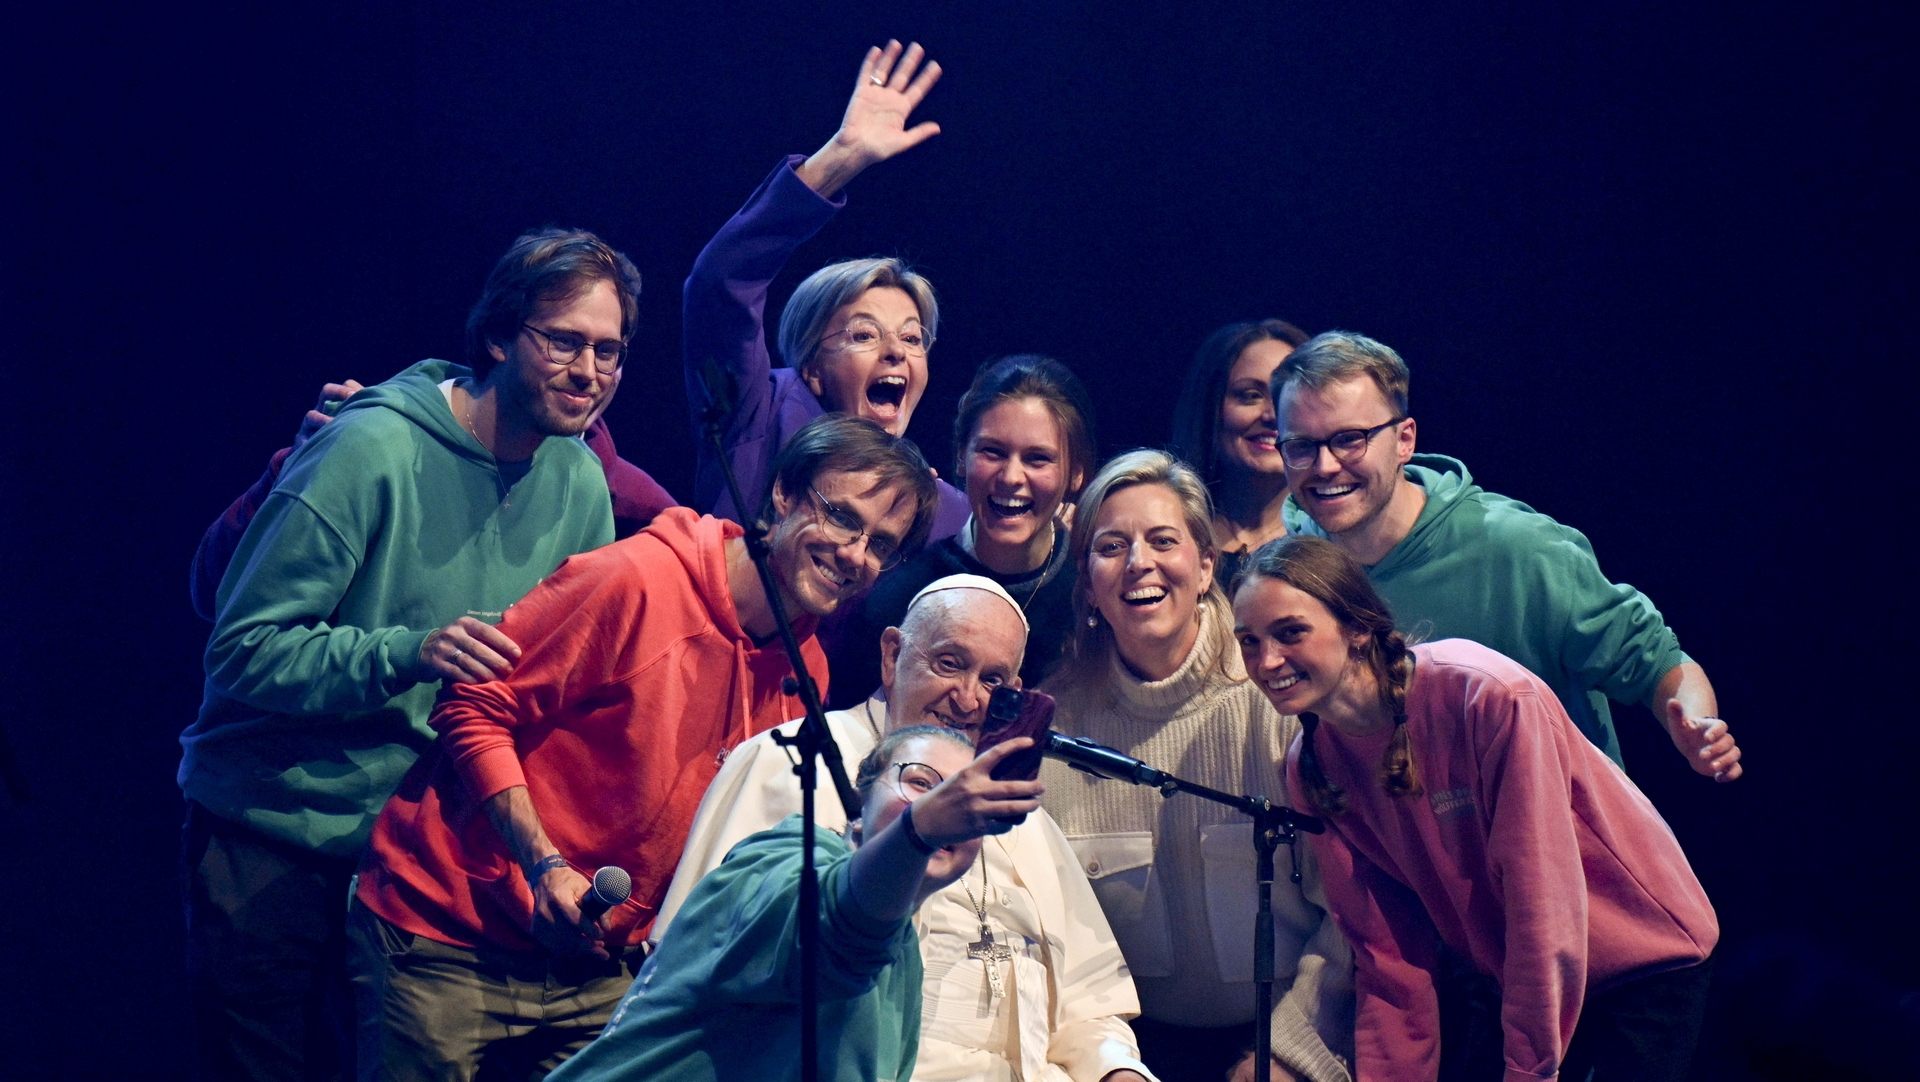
<point x="1456" y="561"/>
<point x="392" y="541"/>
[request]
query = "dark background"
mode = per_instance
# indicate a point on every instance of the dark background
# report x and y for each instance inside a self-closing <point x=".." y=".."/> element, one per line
<point x="1651" y="268"/>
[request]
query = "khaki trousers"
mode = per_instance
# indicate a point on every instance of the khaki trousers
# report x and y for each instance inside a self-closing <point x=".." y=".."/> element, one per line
<point x="431" y="1012"/>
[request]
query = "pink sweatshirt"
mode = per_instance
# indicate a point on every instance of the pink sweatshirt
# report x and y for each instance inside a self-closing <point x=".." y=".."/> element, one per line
<point x="1528" y="852"/>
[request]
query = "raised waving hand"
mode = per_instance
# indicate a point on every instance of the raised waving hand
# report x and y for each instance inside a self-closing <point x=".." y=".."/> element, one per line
<point x="891" y="85"/>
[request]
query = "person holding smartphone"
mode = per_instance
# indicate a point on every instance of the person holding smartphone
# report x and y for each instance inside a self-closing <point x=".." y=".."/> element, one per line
<point x="718" y="999"/>
<point x="1153" y="674"/>
<point x="1023" y="976"/>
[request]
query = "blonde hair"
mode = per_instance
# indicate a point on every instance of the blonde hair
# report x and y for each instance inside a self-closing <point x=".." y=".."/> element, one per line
<point x="1338" y="356"/>
<point x="1085" y="665"/>
<point x="804" y="321"/>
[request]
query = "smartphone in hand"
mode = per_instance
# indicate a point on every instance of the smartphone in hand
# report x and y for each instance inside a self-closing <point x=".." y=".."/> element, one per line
<point x="1012" y="713"/>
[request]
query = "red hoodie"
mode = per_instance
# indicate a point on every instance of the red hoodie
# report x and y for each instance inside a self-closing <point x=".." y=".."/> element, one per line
<point x="635" y="680"/>
<point x="1529" y="852"/>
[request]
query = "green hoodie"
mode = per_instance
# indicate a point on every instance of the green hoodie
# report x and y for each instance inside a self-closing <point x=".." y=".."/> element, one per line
<point x="389" y="523"/>
<point x="1484" y="567"/>
<point x="720" y="998"/>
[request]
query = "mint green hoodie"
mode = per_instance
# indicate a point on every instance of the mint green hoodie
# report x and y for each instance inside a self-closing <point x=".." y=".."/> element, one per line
<point x="720" y="998"/>
<point x="1484" y="567"/>
<point x="389" y="523"/>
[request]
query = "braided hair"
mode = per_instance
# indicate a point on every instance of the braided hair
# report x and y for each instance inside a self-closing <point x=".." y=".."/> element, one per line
<point x="1322" y="571"/>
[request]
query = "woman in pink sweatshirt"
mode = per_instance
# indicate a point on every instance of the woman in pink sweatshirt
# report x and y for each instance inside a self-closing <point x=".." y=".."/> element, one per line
<point x="1466" y="815"/>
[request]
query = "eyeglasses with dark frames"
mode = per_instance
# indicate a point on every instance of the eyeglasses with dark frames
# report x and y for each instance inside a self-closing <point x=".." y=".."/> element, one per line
<point x="915" y="780"/>
<point x="564" y="347"/>
<point x="1348" y="445"/>
<point x="844" y="528"/>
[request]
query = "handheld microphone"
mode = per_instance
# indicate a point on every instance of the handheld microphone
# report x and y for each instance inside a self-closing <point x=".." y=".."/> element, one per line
<point x="1101" y="761"/>
<point x="611" y="886"/>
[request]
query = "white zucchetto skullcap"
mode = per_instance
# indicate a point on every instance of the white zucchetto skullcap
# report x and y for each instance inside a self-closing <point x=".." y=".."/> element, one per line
<point x="972" y="582"/>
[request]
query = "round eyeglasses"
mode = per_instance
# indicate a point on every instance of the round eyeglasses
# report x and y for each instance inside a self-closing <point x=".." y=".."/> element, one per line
<point x="865" y="336"/>
<point x="564" y="347"/>
<point x="842" y="527"/>
<point x="915" y="780"/>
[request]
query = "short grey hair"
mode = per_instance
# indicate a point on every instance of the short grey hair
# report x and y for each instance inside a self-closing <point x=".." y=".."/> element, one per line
<point x="1338" y="356"/>
<point x="804" y="321"/>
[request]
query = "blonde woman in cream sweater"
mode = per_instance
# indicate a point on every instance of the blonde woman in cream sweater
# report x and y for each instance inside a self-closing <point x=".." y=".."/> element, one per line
<point x="1154" y="672"/>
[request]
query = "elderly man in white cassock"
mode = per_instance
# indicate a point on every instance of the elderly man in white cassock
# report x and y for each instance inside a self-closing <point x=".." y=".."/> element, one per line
<point x="1023" y="978"/>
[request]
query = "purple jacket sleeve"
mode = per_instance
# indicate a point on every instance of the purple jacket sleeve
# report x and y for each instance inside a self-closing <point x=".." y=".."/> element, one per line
<point x="216" y="549"/>
<point x="637" y="497"/>
<point x="723" y="318"/>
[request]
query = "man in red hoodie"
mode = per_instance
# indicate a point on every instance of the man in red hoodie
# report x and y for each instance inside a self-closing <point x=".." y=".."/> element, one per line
<point x="643" y="663"/>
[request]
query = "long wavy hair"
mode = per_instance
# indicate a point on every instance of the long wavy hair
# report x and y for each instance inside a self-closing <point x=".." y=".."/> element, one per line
<point x="1325" y="572"/>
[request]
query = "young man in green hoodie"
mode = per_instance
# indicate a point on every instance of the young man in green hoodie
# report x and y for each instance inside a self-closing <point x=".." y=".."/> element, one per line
<point x="1456" y="561"/>
<point x="392" y="541"/>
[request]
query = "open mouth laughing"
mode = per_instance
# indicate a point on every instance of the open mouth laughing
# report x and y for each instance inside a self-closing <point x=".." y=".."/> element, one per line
<point x="1282" y="683"/>
<point x="1331" y="492"/>
<point x="1144" y="597"/>
<point x="837" y="582"/>
<point x="886" y="395"/>
<point x="1009" y="508"/>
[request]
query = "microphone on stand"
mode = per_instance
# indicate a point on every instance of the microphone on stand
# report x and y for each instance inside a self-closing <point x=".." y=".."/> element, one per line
<point x="1101" y="761"/>
<point x="611" y="886"/>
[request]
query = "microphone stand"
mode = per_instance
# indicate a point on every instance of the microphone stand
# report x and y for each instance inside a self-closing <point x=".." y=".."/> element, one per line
<point x="1274" y="825"/>
<point x="814" y="742"/>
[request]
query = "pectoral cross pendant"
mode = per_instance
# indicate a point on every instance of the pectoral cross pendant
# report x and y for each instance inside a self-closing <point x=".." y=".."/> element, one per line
<point x="993" y="954"/>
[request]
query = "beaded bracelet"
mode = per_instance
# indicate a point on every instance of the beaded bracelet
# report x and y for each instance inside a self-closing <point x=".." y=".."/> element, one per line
<point x="545" y="865"/>
<point x="906" y="820"/>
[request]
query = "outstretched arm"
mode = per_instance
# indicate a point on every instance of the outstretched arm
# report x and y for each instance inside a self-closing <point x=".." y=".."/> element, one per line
<point x="1685" y="702"/>
<point x="875" y="125"/>
<point x="888" y="875"/>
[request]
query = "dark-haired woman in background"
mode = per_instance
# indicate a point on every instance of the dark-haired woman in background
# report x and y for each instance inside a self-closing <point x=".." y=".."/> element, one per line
<point x="1224" y="426"/>
<point x="1472" y="827"/>
<point x="1023" y="447"/>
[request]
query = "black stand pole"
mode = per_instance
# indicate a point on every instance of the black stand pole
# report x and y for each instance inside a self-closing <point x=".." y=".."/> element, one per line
<point x="1274" y="825"/>
<point x="813" y="742"/>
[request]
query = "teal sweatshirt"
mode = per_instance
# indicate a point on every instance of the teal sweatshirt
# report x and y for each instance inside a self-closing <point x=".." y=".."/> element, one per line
<point x="391" y="522"/>
<point x="719" y="1000"/>
<point x="1483" y="567"/>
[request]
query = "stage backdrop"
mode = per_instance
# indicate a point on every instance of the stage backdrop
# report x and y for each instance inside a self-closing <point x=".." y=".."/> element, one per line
<point x="1651" y="269"/>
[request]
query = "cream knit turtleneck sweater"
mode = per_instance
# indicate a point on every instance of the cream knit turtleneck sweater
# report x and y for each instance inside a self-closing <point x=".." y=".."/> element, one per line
<point x="1176" y="874"/>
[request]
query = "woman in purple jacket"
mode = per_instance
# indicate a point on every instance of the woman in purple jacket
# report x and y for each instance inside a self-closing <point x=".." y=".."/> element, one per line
<point x="855" y="334"/>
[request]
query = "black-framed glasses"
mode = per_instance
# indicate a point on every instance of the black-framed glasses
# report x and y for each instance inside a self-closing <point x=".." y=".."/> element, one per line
<point x="866" y="336"/>
<point x="844" y="528"/>
<point x="915" y="780"/>
<point x="1347" y="445"/>
<point x="565" y="347"/>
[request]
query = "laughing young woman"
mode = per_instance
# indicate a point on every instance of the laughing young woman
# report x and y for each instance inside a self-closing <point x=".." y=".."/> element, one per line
<point x="1225" y="425"/>
<point x="1024" y="444"/>
<point x="1470" y="821"/>
<point x="855" y="334"/>
<point x="1153" y="672"/>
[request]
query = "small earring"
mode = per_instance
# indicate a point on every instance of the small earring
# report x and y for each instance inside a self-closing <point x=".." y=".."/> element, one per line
<point x="1093" y="620"/>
